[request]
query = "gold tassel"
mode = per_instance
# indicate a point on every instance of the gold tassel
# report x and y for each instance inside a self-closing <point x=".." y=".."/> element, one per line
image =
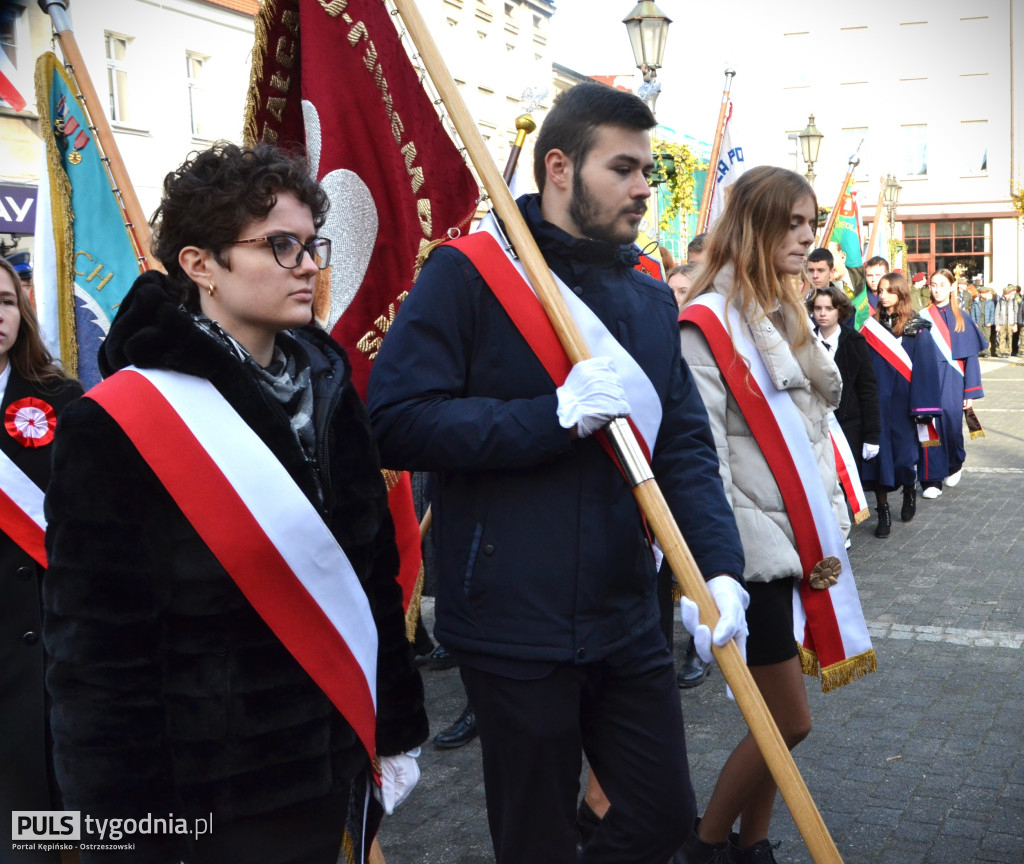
<point x="262" y="25"/>
<point x="62" y="217"/>
<point x="861" y="515"/>
<point x="838" y="674"/>
<point x="978" y="433"/>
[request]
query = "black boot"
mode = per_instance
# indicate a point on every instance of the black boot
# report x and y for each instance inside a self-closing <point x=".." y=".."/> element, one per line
<point x="909" y="503"/>
<point x="462" y="731"/>
<point x="884" y="521"/>
<point x="761" y="852"/>
<point x="694" y="670"/>
<point x="696" y="851"/>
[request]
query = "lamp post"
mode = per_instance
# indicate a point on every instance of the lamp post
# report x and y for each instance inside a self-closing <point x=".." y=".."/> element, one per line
<point x="810" y="145"/>
<point x="647" y="27"/>
<point x="891" y="196"/>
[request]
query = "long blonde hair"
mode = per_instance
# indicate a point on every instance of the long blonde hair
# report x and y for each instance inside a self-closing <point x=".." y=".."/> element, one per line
<point x="755" y="223"/>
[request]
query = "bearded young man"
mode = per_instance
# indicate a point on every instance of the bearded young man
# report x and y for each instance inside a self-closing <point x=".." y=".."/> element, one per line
<point x="547" y="585"/>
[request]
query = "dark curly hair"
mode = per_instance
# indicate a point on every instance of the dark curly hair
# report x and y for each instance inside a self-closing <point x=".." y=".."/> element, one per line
<point x="210" y="198"/>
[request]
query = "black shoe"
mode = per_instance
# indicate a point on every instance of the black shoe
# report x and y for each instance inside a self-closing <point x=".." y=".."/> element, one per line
<point x="909" y="503"/>
<point x="761" y="852"/>
<point x="587" y="822"/>
<point x="884" y="522"/>
<point x="462" y="731"/>
<point x="439" y="658"/>
<point x="696" y="851"/>
<point x="693" y="671"/>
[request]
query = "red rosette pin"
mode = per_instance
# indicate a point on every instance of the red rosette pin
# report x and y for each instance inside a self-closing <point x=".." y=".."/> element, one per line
<point x="30" y="422"/>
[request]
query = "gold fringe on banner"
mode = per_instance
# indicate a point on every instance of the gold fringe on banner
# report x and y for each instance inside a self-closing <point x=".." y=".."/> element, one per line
<point x="861" y="515"/>
<point x="61" y="214"/>
<point x="838" y="674"/>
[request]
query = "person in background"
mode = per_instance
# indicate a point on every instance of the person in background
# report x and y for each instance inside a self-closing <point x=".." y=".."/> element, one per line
<point x="959" y="342"/>
<point x="680" y="279"/>
<point x="1007" y="311"/>
<point x="874" y="269"/>
<point x="820" y="263"/>
<point x="695" y="249"/>
<point x="33" y="393"/>
<point x="857" y="413"/>
<point x="906" y="368"/>
<point x="983" y="313"/>
<point x="249" y="659"/>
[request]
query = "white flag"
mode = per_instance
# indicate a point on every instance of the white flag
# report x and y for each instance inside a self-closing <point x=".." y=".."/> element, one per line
<point x="730" y="166"/>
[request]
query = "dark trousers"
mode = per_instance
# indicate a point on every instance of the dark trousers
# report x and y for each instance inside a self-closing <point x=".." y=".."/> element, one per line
<point x="301" y="834"/>
<point x="532" y="734"/>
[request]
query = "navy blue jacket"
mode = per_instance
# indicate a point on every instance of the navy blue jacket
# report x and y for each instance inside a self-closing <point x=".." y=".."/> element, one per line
<point x="542" y="553"/>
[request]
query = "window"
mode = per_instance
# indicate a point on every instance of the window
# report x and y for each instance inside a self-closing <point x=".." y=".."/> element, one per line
<point x="914" y="150"/>
<point x="117" y="76"/>
<point x="14" y="32"/>
<point x="974" y="147"/>
<point x="195" y="65"/>
<point x="9" y="19"/>
<point x="966" y="243"/>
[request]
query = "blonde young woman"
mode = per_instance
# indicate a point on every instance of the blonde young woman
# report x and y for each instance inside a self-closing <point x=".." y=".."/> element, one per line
<point x="744" y="296"/>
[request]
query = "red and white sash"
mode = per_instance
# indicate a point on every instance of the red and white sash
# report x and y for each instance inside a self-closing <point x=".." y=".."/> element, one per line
<point x="940" y="333"/>
<point x="507" y="279"/>
<point x="892" y="351"/>
<point x="21" y="509"/>
<point x="261" y="527"/>
<point x="846" y="468"/>
<point x="829" y="624"/>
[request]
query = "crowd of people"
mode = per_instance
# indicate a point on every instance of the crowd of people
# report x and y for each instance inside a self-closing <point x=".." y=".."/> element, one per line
<point x="215" y="615"/>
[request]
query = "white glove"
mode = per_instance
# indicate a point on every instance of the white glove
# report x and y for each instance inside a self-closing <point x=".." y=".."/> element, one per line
<point x="869" y="451"/>
<point x="732" y="601"/>
<point x="398" y="777"/>
<point x="591" y="396"/>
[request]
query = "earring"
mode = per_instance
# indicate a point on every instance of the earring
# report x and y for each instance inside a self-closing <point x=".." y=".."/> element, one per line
<point x="211" y="289"/>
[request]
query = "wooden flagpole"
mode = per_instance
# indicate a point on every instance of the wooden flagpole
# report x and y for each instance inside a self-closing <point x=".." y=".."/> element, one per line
<point x="879" y="207"/>
<point x="709" y="181"/>
<point x="649" y="497"/>
<point x="135" y="221"/>
<point x="831" y="223"/>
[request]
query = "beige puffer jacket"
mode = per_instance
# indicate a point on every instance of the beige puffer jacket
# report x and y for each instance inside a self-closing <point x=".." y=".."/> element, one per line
<point x="812" y="379"/>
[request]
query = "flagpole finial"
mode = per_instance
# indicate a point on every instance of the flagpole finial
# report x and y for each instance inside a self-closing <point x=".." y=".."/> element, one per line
<point x="730" y="72"/>
<point x="525" y="123"/>
<point x="58" y="12"/>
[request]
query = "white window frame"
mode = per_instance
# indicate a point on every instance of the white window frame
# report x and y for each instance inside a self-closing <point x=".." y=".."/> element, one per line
<point x="117" y="90"/>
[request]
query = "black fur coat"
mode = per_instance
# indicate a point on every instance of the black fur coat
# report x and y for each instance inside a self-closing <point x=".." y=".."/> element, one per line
<point x="170" y="693"/>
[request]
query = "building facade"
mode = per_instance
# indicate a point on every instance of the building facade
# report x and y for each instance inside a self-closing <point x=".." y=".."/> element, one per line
<point x="172" y="76"/>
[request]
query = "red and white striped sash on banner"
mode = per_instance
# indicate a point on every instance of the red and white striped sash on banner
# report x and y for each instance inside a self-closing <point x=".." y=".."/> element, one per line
<point x="846" y="468"/>
<point x="940" y="333"/>
<point x="507" y="280"/>
<point x="829" y="624"/>
<point x="261" y="527"/>
<point x="21" y="510"/>
<point x="892" y="352"/>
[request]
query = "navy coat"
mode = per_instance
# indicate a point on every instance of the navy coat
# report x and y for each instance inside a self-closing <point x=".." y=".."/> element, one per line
<point x="542" y="553"/>
<point x="901" y="401"/>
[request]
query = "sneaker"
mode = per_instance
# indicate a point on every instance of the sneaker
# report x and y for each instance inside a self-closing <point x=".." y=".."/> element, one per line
<point x="931" y="492"/>
<point x="953" y="479"/>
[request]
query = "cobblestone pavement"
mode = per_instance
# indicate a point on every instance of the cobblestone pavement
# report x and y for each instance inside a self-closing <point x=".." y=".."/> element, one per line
<point x="920" y="763"/>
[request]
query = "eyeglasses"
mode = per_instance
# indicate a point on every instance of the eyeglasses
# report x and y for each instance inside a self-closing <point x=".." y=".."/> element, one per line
<point x="288" y="250"/>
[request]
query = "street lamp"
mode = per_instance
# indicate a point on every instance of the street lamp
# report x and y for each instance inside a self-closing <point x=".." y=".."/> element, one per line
<point x="647" y="27"/>
<point x="891" y="196"/>
<point x="810" y="145"/>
